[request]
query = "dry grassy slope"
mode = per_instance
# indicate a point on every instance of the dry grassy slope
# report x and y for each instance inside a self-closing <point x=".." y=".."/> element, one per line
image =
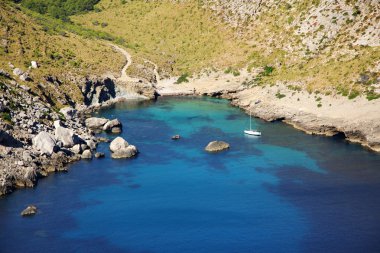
<point x="180" y="37"/>
<point x="65" y="56"/>
<point x="320" y="45"/>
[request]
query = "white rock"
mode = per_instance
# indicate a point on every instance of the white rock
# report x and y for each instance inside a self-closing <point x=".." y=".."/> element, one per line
<point x="68" y="112"/>
<point x="87" y="154"/>
<point x="96" y="123"/>
<point x="45" y="143"/>
<point x="118" y="143"/>
<point x="65" y="135"/>
<point x="34" y="64"/>
<point x="17" y="72"/>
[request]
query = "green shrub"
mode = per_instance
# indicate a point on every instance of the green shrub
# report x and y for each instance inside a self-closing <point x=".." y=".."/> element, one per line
<point x="183" y="79"/>
<point x="268" y="70"/>
<point x="372" y="95"/>
<point x="353" y="94"/>
<point x="280" y="95"/>
<point x="6" y="116"/>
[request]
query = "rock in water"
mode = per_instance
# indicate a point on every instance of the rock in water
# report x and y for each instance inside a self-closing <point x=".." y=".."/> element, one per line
<point x="216" y="146"/>
<point x="45" y="143"/>
<point x="176" y="137"/>
<point x="96" y="123"/>
<point x="99" y="155"/>
<point x="111" y="125"/>
<point x="118" y="143"/>
<point x="29" y="211"/>
<point x="127" y="152"/>
<point x="87" y="154"/>
<point x="120" y="148"/>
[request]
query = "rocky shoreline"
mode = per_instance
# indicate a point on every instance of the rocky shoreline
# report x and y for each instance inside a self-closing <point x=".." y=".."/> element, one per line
<point x="358" y="120"/>
<point x="36" y="139"/>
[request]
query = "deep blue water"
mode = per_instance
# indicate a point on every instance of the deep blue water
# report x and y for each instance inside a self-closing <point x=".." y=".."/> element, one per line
<point x="283" y="192"/>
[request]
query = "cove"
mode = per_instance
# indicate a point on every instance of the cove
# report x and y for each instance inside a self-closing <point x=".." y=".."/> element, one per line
<point x="283" y="192"/>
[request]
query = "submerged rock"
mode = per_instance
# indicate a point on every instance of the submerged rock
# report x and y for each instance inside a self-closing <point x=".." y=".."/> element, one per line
<point x="216" y="146"/>
<point x="99" y="155"/>
<point x="120" y="148"/>
<point x="29" y="211"/>
<point x="176" y="137"/>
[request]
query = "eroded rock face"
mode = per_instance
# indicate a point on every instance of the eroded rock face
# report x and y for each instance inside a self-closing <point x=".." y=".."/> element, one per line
<point x="96" y="123"/>
<point x="120" y="148"/>
<point x="217" y="146"/>
<point x="45" y="143"/>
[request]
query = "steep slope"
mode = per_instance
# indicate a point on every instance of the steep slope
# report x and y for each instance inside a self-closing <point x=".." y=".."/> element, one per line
<point x="65" y="60"/>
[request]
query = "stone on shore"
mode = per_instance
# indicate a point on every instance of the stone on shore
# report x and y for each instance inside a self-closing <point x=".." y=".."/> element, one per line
<point x="87" y="154"/>
<point x="29" y="211"/>
<point x="217" y="146"/>
<point x="45" y="143"/>
<point x="66" y="136"/>
<point x="96" y="123"/>
<point x="120" y="148"/>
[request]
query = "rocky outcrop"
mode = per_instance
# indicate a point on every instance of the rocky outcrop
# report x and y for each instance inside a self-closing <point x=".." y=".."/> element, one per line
<point x="45" y="143"/>
<point x="120" y="148"/>
<point x="97" y="91"/>
<point x="96" y="123"/>
<point x="217" y="146"/>
<point x="29" y="211"/>
<point x="113" y="126"/>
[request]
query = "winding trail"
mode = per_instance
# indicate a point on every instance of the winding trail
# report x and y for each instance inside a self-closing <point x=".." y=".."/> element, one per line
<point x="123" y="75"/>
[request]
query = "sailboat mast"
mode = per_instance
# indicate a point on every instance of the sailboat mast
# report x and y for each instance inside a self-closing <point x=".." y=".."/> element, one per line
<point x="250" y="120"/>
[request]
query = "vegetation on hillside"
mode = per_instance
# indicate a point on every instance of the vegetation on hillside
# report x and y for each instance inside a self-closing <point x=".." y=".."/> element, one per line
<point x="181" y="37"/>
<point x="61" y="55"/>
<point x="59" y="8"/>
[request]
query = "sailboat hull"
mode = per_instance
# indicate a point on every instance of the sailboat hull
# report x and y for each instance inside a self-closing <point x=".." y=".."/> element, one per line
<point x="251" y="132"/>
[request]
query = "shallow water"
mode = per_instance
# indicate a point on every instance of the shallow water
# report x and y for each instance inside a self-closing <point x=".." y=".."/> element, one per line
<point x="283" y="192"/>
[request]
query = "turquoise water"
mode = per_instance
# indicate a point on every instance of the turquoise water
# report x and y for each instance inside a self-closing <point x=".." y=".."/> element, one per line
<point x="283" y="192"/>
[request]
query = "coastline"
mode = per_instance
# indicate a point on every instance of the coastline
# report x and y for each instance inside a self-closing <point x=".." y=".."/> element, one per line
<point x="358" y="119"/>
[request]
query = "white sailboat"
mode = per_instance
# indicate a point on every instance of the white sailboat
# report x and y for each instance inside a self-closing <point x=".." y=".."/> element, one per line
<point x="250" y="131"/>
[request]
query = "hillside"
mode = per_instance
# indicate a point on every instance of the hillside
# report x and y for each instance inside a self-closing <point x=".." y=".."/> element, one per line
<point x="64" y="59"/>
<point x="322" y="46"/>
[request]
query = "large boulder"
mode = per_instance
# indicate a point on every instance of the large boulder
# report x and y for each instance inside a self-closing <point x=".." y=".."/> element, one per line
<point x="120" y="148"/>
<point x="216" y="146"/>
<point x="66" y="136"/>
<point x="96" y="123"/>
<point x="127" y="152"/>
<point x="118" y="143"/>
<point x="45" y="143"/>
<point x="113" y="126"/>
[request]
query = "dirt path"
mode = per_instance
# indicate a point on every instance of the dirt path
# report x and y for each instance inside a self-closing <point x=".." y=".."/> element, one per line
<point x="123" y="75"/>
